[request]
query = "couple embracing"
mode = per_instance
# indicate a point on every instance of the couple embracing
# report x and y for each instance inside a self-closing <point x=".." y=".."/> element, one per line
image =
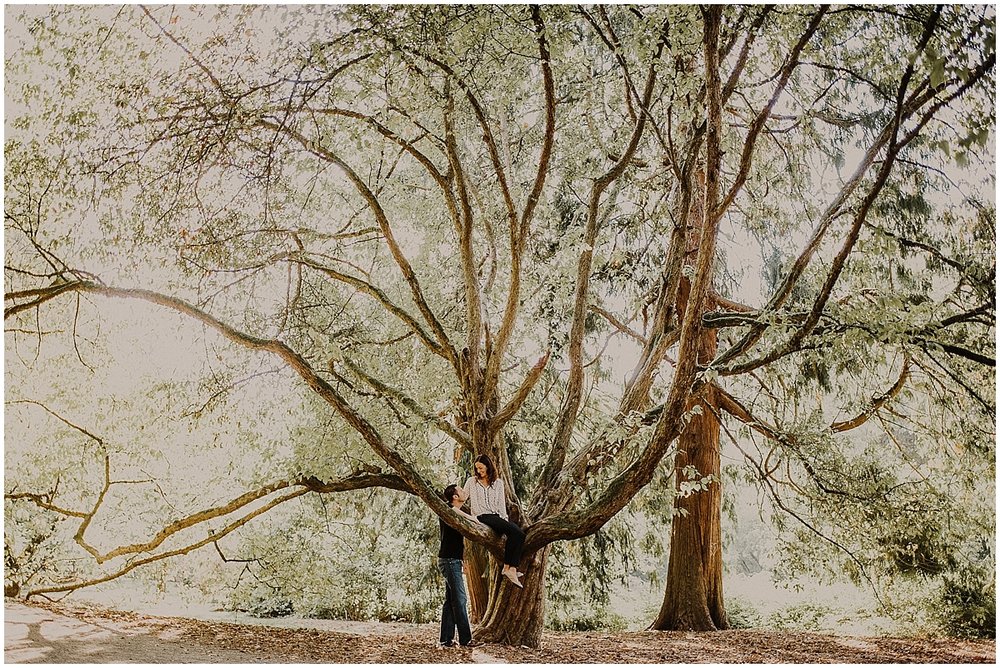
<point x="485" y="493"/>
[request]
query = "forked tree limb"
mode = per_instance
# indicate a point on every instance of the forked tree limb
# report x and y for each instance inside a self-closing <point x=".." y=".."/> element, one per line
<point x="409" y="475"/>
<point x="212" y="537"/>
<point x="408" y="146"/>
<point x="520" y="395"/>
<point x="519" y="236"/>
<point x="574" y="388"/>
<point x="620" y="490"/>
<point x="888" y="139"/>
<point x="357" y="480"/>
<point x="460" y="436"/>
<point x="382" y="219"/>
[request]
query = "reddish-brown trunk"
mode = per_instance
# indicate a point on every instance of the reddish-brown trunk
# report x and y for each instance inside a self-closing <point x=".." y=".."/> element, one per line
<point x="477" y="561"/>
<point x="693" y="598"/>
<point x="516" y="616"/>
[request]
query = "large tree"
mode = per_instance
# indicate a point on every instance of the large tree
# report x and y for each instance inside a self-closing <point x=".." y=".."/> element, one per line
<point x="431" y="215"/>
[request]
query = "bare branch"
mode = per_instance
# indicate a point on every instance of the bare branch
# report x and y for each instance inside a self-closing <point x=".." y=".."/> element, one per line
<point x="459" y="435"/>
<point x="877" y="402"/>
<point x="36" y="296"/>
<point x="376" y="207"/>
<point x="85" y="432"/>
<point x="617" y="324"/>
<point x="516" y="401"/>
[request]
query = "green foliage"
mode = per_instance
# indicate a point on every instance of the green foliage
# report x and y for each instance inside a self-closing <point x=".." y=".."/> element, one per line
<point x="742" y="614"/>
<point x="801" y="617"/>
<point x="587" y="620"/>
<point x="606" y="558"/>
<point x="131" y="164"/>
<point x="372" y="559"/>
<point x="966" y="602"/>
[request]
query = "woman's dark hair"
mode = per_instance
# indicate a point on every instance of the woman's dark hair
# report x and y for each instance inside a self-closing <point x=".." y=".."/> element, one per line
<point x="449" y="493"/>
<point x="491" y="471"/>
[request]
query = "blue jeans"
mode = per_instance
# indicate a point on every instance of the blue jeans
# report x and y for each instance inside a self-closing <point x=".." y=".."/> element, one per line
<point x="454" y="613"/>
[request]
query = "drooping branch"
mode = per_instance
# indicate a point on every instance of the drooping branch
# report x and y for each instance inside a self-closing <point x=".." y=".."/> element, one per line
<point x="212" y="537"/>
<point x="460" y="436"/>
<point x="766" y="478"/>
<point x="409" y="476"/>
<point x="357" y="480"/>
<point x="383" y="221"/>
<point x="877" y="402"/>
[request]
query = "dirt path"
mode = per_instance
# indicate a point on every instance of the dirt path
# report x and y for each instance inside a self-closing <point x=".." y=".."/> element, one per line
<point x="88" y="634"/>
<point x="36" y="635"/>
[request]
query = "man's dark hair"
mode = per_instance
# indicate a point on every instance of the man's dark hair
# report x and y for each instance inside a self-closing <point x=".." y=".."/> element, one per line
<point x="449" y="493"/>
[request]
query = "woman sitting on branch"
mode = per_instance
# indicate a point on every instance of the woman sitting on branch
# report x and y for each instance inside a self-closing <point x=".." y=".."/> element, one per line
<point x="489" y="504"/>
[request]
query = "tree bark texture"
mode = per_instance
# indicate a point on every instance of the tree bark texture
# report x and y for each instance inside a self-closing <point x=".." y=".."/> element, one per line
<point x="516" y="616"/>
<point x="693" y="598"/>
<point x="478" y="578"/>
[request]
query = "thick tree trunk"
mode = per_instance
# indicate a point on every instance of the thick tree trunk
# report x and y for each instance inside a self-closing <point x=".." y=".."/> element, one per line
<point x="516" y="616"/>
<point x="478" y="579"/>
<point x="693" y="597"/>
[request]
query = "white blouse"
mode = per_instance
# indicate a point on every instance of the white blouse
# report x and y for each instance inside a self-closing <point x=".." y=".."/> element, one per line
<point x="486" y="500"/>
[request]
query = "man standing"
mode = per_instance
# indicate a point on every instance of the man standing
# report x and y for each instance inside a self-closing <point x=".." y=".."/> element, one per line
<point x="454" y="613"/>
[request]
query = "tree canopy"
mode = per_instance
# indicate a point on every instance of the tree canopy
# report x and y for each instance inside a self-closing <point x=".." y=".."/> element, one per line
<point x="509" y="230"/>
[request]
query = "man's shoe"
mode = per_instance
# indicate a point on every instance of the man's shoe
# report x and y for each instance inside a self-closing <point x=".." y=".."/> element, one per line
<point x="450" y="643"/>
<point x="472" y="643"/>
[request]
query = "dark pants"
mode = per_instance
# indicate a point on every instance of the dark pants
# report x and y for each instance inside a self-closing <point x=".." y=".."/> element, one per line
<point x="515" y="537"/>
<point x="454" y="613"/>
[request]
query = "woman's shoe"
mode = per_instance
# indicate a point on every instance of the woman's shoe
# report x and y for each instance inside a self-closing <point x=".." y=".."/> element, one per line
<point x="512" y="576"/>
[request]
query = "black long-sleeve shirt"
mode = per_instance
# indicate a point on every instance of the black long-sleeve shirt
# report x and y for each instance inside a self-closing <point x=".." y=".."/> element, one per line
<point x="452" y="543"/>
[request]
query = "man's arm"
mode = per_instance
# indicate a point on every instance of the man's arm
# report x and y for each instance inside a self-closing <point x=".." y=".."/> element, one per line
<point x="462" y="512"/>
